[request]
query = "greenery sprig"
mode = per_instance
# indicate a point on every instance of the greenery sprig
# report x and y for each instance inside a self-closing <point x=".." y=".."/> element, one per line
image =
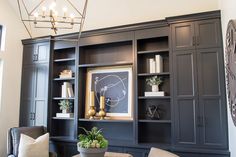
<point x="92" y="139"/>
<point x="65" y="105"/>
<point x="154" y="80"/>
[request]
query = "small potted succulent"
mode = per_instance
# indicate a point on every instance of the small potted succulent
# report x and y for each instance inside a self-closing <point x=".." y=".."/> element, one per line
<point x="65" y="106"/>
<point x="92" y="143"/>
<point x="154" y="82"/>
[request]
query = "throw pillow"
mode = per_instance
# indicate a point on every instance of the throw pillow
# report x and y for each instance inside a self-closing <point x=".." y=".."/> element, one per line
<point x="30" y="147"/>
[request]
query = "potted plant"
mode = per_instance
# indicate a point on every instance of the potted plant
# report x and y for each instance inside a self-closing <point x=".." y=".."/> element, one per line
<point x="154" y="82"/>
<point x="65" y="106"/>
<point x="92" y="143"/>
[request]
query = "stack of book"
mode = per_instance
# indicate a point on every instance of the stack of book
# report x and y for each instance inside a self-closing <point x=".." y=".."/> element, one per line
<point x="155" y="65"/>
<point x="65" y="115"/>
<point x="67" y="90"/>
<point x="160" y="93"/>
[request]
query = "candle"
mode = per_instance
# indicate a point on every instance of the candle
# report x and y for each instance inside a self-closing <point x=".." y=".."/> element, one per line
<point x="92" y="98"/>
<point x="102" y="102"/>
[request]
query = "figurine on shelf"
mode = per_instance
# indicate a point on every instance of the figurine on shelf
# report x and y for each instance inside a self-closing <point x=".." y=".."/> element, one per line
<point x="66" y="74"/>
<point x="153" y="112"/>
<point x="102" y="112"/>
<point x="92" y="111"/>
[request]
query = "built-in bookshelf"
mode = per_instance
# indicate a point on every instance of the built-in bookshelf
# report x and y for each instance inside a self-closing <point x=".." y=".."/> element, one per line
<point x="63" y="89"/>
<point x="153" y="60"/>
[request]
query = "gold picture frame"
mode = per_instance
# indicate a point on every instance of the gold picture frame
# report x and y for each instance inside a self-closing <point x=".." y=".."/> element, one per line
<point x="115" y="83"/>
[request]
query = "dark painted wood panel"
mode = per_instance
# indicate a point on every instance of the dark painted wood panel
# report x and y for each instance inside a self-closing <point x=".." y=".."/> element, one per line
<point x="185" y="125"/>
<point x="42" y="52"/>
<point x="208" y="33"/>
<point x="183" y="36"/>
<point x="108" y="38"/>
<point x="28" y="53"/>
<point x="184" y="73"/>
<point x="152" y="33"/>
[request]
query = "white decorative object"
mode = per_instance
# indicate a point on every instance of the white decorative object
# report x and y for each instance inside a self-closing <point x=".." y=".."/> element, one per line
<point x="159" y="63"/>
<point x="161" y="93"/>
<point x="152" y="64"/>
<point x="65" y="115"/>
<point x="67" y="90"/>
<point x="34" y="147"/>
<point x="155" y="88"/>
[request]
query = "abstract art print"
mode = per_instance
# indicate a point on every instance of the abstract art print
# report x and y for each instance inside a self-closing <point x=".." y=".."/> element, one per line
<point x="115" y="84"/>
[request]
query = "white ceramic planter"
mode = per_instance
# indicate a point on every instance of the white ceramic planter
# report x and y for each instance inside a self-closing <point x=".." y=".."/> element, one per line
<point x="155" y="88"/>
<point x="92" y="152"/>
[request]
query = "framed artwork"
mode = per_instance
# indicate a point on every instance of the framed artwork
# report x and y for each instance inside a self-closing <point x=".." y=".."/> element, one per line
<point x="115" y="84"/>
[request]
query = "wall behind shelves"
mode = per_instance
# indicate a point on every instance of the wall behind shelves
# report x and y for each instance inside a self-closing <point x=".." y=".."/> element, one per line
<point x="228" y="8"/>
<point x="11" y="62"/>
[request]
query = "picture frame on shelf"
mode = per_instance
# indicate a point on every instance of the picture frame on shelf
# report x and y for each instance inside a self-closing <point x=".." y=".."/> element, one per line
<point x="115" y="83"/>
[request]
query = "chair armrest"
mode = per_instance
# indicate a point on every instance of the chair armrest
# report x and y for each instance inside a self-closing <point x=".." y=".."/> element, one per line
<point x="52" y="154"/>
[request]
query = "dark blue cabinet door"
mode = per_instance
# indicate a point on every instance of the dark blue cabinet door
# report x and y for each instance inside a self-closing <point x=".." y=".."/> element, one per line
<point x="212" y="101"/>
<point x="185" y="98"/>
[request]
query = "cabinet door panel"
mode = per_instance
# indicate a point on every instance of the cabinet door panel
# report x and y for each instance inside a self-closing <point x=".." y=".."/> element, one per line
<point x="28" y="54"/>
<point x="183" y="36"/>
<point x="186" y="120"/>
<point x="26" y="113"/>
<point x="185" y="98"/>
<point x="208" y="34"/>
<point x="40" y="99"/>
<point x="42" y="52"/>
<point x="212" y="98"/>
<point x="184" y="73"/>
<point x="27" y="82"/>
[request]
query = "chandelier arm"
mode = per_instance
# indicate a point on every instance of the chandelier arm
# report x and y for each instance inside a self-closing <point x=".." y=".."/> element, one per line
<point x="74" y="7"/>
<point x="18" y="1"/>
<point x="27" y="11"/>
<point x="47" y="21"/>
<point x="83" y="18"/>
<point x="36" y="7"/>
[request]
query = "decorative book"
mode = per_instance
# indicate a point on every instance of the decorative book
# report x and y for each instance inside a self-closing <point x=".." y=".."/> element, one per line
<point x="65" y="115"/>
<point x="161" y="93"/>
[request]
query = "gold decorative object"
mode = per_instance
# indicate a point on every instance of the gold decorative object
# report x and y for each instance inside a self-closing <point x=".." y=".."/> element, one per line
<point x="66" y="74"/>
<point x="92" y="111"/>
<point x="102" y="112"/>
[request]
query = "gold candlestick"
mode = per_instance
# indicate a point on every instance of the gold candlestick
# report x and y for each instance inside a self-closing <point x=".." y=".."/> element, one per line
<point x="102" y="112"/>
<point x="92" y="111"/>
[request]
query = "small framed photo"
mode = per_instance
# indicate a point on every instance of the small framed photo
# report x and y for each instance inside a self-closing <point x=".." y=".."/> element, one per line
<point x="115" y="84"/>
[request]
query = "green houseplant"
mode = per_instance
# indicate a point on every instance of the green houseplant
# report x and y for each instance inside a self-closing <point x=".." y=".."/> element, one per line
<point x="65" y="106"/>
<point x="92" y="143"/>
<point x="154" y="82"/>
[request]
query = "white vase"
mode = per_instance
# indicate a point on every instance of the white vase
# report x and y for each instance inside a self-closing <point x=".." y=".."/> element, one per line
<point x="65" y="111"/>
<point x="155" y="88"/>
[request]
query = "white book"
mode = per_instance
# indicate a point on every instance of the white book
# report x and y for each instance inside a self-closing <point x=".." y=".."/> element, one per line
<point x="152" y="64"/>
<point x="70" y="92"/>
<point x="65" y="115"/>
<point x="64" y="91"/>
<point x="159" y="63"/>
<point x="161" y="93"/>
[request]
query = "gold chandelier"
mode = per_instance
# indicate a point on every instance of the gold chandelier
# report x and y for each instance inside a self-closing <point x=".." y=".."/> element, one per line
<point x="52" y="14"/>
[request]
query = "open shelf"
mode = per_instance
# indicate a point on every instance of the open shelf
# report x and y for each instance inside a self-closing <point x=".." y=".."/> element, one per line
<point x="64" y="60"/>
<point x="106" y="121"/>
<point x="106" y="64"/>
<point x="154" y="74"/>
<point x="154" y="97"/>
<point x="64" y="79"/>
<point x="154" y="121"/>
<point x="60" y="98"/>
<point x="154" y="51"/>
